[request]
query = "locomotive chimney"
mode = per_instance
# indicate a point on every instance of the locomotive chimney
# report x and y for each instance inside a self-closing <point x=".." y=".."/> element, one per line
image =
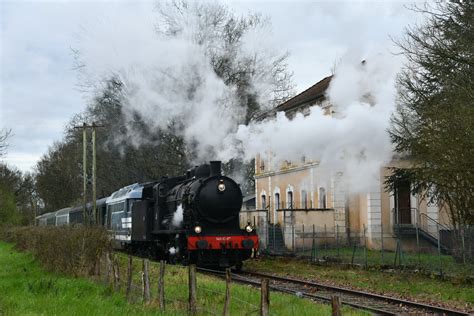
<point x="215" y="168"/>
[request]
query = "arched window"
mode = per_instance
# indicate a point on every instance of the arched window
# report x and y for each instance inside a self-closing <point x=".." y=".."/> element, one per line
<point x="277" y="201"/>
<point x="304" y="199"/>
<point x="322" y="198"/>
<point x="290" y="199"/>
<point x="264" y="201"/>
<point x="262" y="165"/>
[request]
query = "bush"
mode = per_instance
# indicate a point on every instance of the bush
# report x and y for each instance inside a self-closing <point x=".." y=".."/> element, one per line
<point x="71" y="250"/>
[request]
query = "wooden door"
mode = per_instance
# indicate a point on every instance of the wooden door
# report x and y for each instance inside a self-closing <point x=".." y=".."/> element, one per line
<point x="402" y="202"/>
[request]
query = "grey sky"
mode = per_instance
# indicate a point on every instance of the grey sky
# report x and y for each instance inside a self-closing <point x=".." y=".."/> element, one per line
<point x="38" y="91"/>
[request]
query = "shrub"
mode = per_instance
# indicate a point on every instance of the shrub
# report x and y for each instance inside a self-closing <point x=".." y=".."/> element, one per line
<point x="65" y="249"/>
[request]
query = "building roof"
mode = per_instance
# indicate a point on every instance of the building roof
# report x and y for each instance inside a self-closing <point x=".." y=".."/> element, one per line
<point x="312" y="93"/>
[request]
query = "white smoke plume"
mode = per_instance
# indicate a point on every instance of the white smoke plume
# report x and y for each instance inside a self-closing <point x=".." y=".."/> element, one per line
<point x="178" y="217"/>
<point x="169" y="79"/>
<point x="353" y="140"/>
<point x="164" y="60"/>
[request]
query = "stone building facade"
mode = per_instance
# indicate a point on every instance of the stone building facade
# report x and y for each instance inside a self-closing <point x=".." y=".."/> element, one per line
<point x="296" y="194"/>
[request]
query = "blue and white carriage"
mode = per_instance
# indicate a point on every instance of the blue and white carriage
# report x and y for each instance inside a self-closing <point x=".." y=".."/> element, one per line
<point x="118" y="219"/>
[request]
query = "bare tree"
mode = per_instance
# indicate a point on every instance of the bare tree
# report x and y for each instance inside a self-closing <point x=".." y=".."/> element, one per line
<point x="261" y="75"/>
<point x="4" y="135"/>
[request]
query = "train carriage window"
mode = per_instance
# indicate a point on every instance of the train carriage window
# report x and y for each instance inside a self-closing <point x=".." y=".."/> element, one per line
<point x="116" y="220"/>
<point x="115" y="213"/>
<point x="61" y="220"/>
<point x="51" y="221"/>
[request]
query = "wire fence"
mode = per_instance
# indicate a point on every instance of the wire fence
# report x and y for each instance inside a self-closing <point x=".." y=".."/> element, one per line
<point x="173" y="288"/>
<point x="437" y="251"/>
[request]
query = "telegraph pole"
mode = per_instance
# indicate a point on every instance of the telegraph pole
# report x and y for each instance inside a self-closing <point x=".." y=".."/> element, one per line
<point x="84" y="172"/>
<point x="94" y="177"/>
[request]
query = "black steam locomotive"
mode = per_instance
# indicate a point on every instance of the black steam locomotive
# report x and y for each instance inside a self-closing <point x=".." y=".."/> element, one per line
<point x="192" y="218"/>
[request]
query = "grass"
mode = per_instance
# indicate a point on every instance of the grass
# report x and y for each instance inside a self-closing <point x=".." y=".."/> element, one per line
<point x="425" y="261"/>
<point x="27" y="289"/>
<point x="418" y="287"/>
<point x="244" y="299"/>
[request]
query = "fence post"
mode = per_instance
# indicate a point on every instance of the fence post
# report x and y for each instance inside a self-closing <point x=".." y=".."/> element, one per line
<point x="129" y="276"/>
<point x="463" y="246"/>
<point x="418" y="242"/>
<point x="97" y="266"/>
<point x="381" y="242"/>
<point x="397" y="254"/>
<point x="146" y="281"/>
<point x="192" y="289"/>
<point x="303" y="240"/>
<point x="353" y="253"/>
<point x="161" y="286"/>
<point x="336" y="306"/>
<point x="265" y="298"/>
<point x="108" y="264"/>
<point x="325" y="238"/>
<point x="439" y="250"/>
<point x="365" y="248"/>
<point x="293" y="237"/>
<point x="116" y="267"/>
<point x="274" y="238"/>
<point x="227" y="292"/>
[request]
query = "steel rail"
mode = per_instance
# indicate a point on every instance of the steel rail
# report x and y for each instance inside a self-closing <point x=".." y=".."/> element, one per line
<point x="393" y="300"/>
<point x="239" y="278"/>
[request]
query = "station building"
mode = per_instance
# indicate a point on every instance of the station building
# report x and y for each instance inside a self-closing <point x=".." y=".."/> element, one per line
<point x="293" y="196"/>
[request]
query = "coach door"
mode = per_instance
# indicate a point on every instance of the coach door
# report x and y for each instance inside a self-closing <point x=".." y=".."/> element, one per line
<point x="402" y="202"/>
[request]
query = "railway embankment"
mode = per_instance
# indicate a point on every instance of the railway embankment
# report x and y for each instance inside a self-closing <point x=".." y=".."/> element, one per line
<point x="28" y="289"/>
<point x="451" y="293"/>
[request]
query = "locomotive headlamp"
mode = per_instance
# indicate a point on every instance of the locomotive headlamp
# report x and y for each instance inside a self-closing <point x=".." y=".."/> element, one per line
<point x="248" y="229"/>
<point x="221" y="186"/>
<point x="197" y="229"/>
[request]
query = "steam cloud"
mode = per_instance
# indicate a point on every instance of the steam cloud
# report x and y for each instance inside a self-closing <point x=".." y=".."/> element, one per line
<point x="354" y="140"/>
<point x="168" y="79"/>
<point x="177" y="217"/>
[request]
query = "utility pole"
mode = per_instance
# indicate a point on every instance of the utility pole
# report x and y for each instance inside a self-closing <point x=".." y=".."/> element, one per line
<point x="84" y="172"/>
<point x="87" y="217"/>
<point x="94" y="177"/>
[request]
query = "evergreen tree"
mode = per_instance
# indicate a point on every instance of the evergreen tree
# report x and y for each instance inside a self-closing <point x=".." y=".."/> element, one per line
<point x="433" y="126"/>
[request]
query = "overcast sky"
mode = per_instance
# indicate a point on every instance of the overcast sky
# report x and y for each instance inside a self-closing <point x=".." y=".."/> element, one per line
<point x="38" y="88"/>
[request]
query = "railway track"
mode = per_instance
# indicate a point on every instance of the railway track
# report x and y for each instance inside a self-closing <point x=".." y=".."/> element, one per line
<point x="374" y="303"/>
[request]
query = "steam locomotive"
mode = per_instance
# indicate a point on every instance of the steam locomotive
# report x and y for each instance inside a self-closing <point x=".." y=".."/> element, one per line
<point x="193" y="218"/>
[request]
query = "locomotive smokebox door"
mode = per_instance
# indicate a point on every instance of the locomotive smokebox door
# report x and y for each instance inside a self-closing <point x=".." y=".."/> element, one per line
<point x="141" y="220"/>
